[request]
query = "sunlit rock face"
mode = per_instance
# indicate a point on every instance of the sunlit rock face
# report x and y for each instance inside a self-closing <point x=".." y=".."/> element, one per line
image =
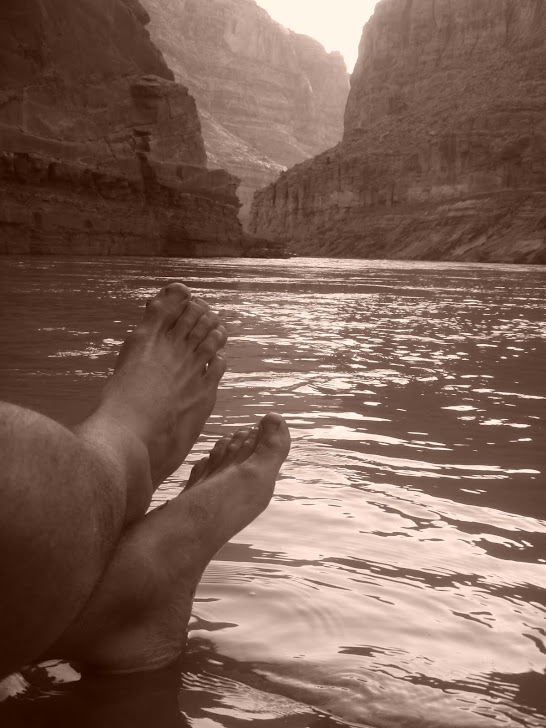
<point x="268" y="98"/>
<point x="444" y="147"/>
<point x="101" y="150"/>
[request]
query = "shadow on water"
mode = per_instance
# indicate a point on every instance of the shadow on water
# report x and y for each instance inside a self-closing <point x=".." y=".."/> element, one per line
<point x="186" y="694"/>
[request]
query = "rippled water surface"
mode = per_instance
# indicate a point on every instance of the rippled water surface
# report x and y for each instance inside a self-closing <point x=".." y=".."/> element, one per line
<point x="398" y="578"/>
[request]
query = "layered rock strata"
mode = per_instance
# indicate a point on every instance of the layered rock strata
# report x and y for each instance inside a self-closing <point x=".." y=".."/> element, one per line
<point x="268" y="98"/>
<point x="101" y="152"/>
<point x="444" y="147"/>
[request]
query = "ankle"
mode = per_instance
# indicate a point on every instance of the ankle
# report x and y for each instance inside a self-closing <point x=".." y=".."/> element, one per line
<point x="126" y="457"/>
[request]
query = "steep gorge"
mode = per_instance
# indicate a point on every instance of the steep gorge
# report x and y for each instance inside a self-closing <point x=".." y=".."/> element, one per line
<point x="444" y="149"/>
<point x="268" y="98"/>
<point x="101" y="152"/>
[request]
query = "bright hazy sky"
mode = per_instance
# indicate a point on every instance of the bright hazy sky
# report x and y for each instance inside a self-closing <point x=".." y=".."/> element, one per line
<point x="337" y="24"/>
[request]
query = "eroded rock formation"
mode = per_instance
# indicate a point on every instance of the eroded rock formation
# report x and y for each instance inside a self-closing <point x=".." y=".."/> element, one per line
<point x="268" y="98"/>
<point x="101" y="151"/>
<point x="444" y="147"/>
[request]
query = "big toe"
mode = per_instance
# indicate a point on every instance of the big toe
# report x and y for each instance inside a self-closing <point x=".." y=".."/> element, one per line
<point x="273" y="440"/>
<point x="164" y="309"/>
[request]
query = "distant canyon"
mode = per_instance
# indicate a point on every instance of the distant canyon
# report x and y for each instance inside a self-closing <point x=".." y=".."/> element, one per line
<point x="443" y="154"/>
<point x="205" y="128"/>
<point x="103" y="148"/>
<point x="267" y="97"/>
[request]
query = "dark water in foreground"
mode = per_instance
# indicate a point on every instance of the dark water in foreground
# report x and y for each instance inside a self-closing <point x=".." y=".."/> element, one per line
<point x="399" y="576"/>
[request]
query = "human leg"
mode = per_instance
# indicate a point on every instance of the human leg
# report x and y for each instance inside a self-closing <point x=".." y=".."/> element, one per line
<point x="50" y="535"/>
<point x="66" y="496"/>
<point x="138" y="616"/>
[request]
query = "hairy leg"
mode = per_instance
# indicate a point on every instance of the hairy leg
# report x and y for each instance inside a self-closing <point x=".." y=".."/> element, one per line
<point x="138" y="616"/>
<point x="163" y="388"/>
<point x="66" y="496"/>
<point x="63" y="505"/>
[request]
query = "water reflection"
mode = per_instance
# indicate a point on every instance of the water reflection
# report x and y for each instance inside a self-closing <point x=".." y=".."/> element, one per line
<point x="183" y="695"/>
<point x="399" y="574"/>
<point x="95" y="702"/>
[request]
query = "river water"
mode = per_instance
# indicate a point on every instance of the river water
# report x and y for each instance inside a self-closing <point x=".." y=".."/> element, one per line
<point x="398" y="578"/>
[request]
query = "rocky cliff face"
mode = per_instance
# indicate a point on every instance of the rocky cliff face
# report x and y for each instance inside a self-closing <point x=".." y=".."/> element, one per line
<point x="100" y="150"/>
<point x="444" y="147"/>
<point x="268" y="98"/>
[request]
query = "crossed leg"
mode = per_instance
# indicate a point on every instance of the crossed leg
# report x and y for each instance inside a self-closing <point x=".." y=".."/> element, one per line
<point x="138" y="616"/>
<point x="67" y="496"/>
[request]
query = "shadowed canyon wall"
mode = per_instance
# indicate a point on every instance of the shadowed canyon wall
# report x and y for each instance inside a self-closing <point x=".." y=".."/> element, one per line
<point x="444" y="147"/>
<point x="268" y="98"/>
<point x="101" y="151"/>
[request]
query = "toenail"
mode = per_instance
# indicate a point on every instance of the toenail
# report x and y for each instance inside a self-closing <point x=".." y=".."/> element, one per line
<point x="153" y="302"/>
<point x="177" y="287"/>
<point x="273" y="422"/>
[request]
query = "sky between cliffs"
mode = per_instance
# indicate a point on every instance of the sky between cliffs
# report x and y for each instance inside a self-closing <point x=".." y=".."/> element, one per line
<point x="337" y="25"/>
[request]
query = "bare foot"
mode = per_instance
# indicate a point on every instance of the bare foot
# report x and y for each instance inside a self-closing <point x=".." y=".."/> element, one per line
<point x="161" y="393"/>
<point x="137" y="618"/>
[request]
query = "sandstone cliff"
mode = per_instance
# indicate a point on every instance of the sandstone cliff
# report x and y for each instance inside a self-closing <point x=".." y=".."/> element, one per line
<point x="268" y="98"/>
<point x="444" y="147"/>
<point x="100" y="150"/>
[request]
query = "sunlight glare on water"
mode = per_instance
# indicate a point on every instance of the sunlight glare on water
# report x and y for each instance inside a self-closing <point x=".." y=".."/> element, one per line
<point x="398" y="576"/>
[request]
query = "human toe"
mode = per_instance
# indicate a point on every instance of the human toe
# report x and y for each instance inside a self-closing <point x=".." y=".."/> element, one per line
<point x="215" y="340"/>
<point x="216" y="369"/>
<point x="164" y="309"/>
<point x="223" y="453"/>
<point x="176" y="290"/>
<point x="218" y="451"/>
<point x="248" y="446"/>
<point x="197" y="472"/>
<point x="208" y="322"/>
<point x="235" y="445"/>
<point x="189" y="317"/>
<point x="273" y="437"/>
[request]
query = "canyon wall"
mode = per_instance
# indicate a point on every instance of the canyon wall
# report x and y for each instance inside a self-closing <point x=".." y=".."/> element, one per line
<point x="268" y="98"/>
<point x="101" y="151"/>
<point x="444" y="149"/>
